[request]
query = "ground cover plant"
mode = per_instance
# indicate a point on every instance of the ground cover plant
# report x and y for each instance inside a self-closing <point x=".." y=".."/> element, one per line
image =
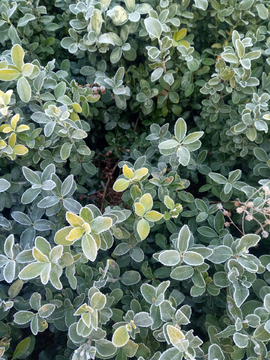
<point x="134" y="179"/>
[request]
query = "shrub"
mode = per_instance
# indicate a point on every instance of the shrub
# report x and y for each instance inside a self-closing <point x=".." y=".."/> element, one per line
<point x="134" y="189"/>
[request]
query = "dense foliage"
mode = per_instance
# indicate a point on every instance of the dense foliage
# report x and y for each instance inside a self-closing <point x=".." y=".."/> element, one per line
<point x="134" y="179"/>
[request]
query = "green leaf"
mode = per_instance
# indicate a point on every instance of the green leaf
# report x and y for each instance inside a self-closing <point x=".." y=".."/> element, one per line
<point x="215" y="353"/>
<point x="175" y="335"/>
<point x="169" y="257"/>
<point x="105" y="348"/>
<point x="98" y="301"/>
<point x="100" y="224"/>
<point x="251" y="134"/>
<point x="22" y="348"/>
<point x="153" y="27"/>
<point x="120" y="336"/>
<point x="46" y="310"/>
<point x="143" y="229"/>
<point x="231" y="58"/>
<point x="118" y="15"/>
<point x="143" y="319"/>
<point x="183" y="155"/>
<point x="266" y="302"/>
<point x="24" y="89"/>
<point x="262" y="11"/>
<point x="23" y="317"/>
<point x="240" y="293"/>
<point x="17" y="55"/>
<point x="31" y="270"/>
<point x="130" y="277"/>
<point x="60" y="236"/>
<point x="96" y="21"/>
<point x="182" y="272"/>
<point x="192" y="258"/>
<point x="25" y="20"/>
<point x="218" y="178"/>
<point x="183" y="238"/>
<point x="169" y="202"/>
<point x="148" y="292"/>
<point x="247" y="241"/>
<point x="240" y="49"/>
<point x="4" y="185"/>
<point x="260" y="154"/>
<point x="180" y="128"/>
<point x="31" y="176"/>
<point x="253" y="54"/>
<point x="15" y="288"/>
<point x="220" y="254"/>
<point x="156" y="74"/>
<point x="234" y="175"/>
<point x="89" y="247"/>
<point x="171" y="354"/>
<point x="201" y="4"/>
<point x="168" y="145"/>
<point x="241" y="340"/>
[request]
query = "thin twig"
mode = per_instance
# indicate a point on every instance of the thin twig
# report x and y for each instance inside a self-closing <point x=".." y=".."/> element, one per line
<point x="136" y="124"/>
<point x="107" y="184"/>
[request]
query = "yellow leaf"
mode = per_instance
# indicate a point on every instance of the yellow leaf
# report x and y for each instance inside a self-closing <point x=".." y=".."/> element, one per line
<point x="5" y="128"/>
<point x="60" y="236"/>
<point x="86" y="227"/>
<point x="2" y="94"/>
<point x="138" y="174"/>
<point x="97" y="239"/>
<point x="74" y="116"/>
<point x="175" y="335"/>
<point x="147" y="201"/>
<point x="27" y="69"/>
<point x="22" y="128"/>
<point x="14" y="121"/>
<point x="8" y="74"/>
<point x="75" y="234"/>
<point x="4" y="111"/>
<point x="77" y="107"/>
<point x="139" y="209"/>
<point x="143" y="229"/>
<point x="7" y="97"/>
<point x="12" y="140"/>
<point x="128" y="173"/>
<point x="120" y="185"/>
<point x="20" y="150"/>
<point x="153" y="215"/>
<point x="17" y="55"/>
<point x="184" y="43"/>
<point x="2" y="144"/>
<point x="180" y="34"/>
<point x="39" y="256"/>
<point x="74" y="219"/>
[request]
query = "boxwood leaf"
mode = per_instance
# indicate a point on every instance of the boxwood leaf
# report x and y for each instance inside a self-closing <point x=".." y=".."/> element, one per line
<point x="120" y="336"/>
<point x="182" y="272"/>
<point x="24" y="89"/>
<point x="169" y="257"/>
<point x="143" y="229"/>
<point x="193" y="258"/>
<point x="89" y="247"/>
